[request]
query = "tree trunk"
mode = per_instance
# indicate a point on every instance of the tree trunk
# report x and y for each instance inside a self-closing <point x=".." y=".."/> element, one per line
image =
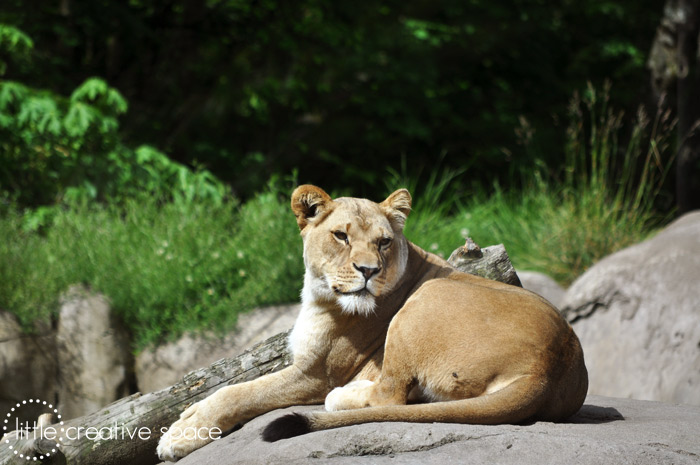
<point x="675" y="70"/>
<point x="128" y="430"/>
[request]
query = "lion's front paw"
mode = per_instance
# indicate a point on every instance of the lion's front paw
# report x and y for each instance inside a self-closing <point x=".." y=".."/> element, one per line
<point x="192" y="431"/>
<point x="351" y="396"/>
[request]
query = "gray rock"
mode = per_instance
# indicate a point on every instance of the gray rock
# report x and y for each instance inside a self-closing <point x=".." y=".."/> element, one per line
<point x="490" y="262"/>
<point x="165" y="365"/>
<point x="606" y="430"/>
<point x="541" y="284"/>
<point x="93" y="354"/>
<point x="27" y="367"/>
<point x="637" y="313"/>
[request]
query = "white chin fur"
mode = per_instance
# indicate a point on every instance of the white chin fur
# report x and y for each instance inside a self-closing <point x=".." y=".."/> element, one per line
<point x="361" y="304"/>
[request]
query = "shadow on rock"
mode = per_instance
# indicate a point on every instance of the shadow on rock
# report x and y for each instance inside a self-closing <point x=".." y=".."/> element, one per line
<point x="592" y="414"/>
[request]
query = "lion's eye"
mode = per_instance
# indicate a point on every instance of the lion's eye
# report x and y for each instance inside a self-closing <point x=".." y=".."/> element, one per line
<point x="384" y="242"/>
<point x="341" y="236"/>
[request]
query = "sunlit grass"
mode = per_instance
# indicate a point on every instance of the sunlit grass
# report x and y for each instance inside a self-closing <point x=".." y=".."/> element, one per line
<point x="165" y="268"/>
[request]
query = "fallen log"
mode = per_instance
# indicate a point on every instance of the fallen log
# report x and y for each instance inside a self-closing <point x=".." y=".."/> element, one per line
<point x="128" y="430"/>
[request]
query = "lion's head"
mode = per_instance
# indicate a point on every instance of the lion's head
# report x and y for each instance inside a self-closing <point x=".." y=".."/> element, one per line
<point x="354" y="249"/>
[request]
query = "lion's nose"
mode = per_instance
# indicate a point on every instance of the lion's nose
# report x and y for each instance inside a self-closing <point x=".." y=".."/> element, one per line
<point x="366" y="271"/>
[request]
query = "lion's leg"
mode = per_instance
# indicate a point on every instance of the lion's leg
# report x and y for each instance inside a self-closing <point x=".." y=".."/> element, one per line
<point x="204" y="421"/>
<point x="398" y="370"/>
<point x="391" y="388"/>
<point x="365" y="393"/>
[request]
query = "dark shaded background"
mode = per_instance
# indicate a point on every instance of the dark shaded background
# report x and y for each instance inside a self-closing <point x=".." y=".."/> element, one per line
<point x="342" y="90"/>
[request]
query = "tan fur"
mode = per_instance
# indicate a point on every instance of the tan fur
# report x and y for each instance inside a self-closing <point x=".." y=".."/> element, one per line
<point x="384" y="322"/>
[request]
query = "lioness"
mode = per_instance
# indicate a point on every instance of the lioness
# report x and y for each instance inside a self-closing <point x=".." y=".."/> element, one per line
<point x="383" y="323"/>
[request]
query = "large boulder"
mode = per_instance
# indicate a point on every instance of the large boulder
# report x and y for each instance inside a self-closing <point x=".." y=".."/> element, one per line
<point x="93" y="354"/>
<point x="28" y="367"/>
<point x="637" y="313"/>
<point x="606" y="430"/>
<point x="165" y="365"/>
<point x="544" y="285"/>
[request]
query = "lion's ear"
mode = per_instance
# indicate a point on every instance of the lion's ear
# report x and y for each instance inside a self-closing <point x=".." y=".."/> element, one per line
<point x="398" y="206"/>
<point x="309" y="203"/>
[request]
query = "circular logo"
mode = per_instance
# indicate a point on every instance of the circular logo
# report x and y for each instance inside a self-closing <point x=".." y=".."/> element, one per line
<point x="26" y="430"/>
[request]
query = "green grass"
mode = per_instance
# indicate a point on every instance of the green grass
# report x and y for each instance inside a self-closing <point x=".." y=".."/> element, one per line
<point x="172" y="267"/>
<point x="545" y="227"/>
<point x="165" y="268"/>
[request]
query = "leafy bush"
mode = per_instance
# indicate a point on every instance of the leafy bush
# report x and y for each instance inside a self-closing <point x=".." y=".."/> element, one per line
<point x="14" y="43"/>
<point x="54" y="148"/>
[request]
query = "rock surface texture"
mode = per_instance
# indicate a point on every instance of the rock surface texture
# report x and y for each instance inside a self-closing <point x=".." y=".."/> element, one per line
<point x="168" y="363"/>
<point x="541" y="284"/>
<point x="93" y="354"/>
<point x="637" y="313"/>
<point x="27" y="366"/>
<point x="606" y="430"/>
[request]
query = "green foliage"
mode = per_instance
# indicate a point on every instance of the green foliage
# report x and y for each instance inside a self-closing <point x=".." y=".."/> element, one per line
<point x="26" y="288"/>
<point x="436" y="198"/>
<point x="50" y="143"/>
<point x="98" y="93"/>
<point x="14" y="41"/>
<point x="166" y="267"/>
<point x="14" y="44"/>
<point x="247" y="88"/>
<point x="174" y="266"/>
<point x="562" y="223"/>
<point x="338" y="91"/>
<point x="54" y="148"/>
